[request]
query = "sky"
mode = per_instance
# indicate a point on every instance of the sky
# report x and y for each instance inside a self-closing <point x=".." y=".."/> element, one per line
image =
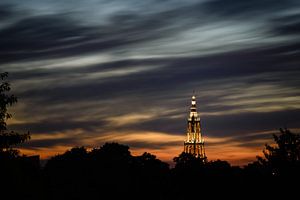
<point x="96" y="71"/>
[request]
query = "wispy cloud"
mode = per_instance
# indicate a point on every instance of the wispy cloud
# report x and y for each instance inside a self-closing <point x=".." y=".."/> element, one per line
<point x="99" y="70"/>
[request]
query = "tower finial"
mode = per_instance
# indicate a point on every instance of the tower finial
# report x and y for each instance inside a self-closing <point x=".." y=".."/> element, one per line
<point x="194" y="97"/>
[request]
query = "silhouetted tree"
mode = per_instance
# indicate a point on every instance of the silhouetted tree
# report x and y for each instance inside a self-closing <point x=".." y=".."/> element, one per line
<point x="188" y="161"/>
<point x="218" y="168"/>
<point x="283" y="158"/>
<point x="111" y="161"/>
<point x="18" y="173"/>
<point x="279" y="166"/>
<point x="219" y="165"/>
<point x="149" y="174"/>
<point x="257" y="169"/>
<point x="8" y="139"/>
<point x="151" y="164"/>
<point x="64" y="174"/>
<point x="109" y="171"/>
<point x="71" y="158"/>
<point x="187" y="172"/>
<point x="113" y="152"/>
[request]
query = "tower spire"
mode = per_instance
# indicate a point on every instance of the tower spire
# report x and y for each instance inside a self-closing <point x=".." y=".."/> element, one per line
<point x="194" y="144"/>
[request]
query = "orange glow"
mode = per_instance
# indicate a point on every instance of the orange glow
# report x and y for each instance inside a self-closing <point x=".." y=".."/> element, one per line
<point x="45" y="153"/>
<point x="165" y="146"/>
<point x="165" y="155"/>
<point x="234" y="155"/>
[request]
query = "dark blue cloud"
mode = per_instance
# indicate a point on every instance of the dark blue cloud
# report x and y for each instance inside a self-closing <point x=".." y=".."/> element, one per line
<point x="286" y="25"/>
<point x="254" y="8"/>
<point x="6" y="12"/>
<point x="62" y="35"/>
<point x="58" y="125"/>
<point x="51" y="143"/>
<point x="173" y="71"/>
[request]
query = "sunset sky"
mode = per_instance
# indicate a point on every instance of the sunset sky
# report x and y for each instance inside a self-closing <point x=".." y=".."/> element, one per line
<point x="90" y="72"/>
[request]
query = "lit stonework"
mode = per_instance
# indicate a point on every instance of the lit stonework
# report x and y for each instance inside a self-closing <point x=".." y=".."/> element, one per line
<point x="194" y="144"/>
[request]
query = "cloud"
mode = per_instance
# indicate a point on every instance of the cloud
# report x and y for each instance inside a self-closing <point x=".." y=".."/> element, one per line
<point x="6" y="12"/>
<point x="60" y="35"/>
<point x="161" y="74"/>
<point x="255" y="8"/>
<point x="121" y="71"/>
<point x="239" y="99"/>
<point x="286" y="25"/>
<point x="66" y="34"/>
<point x="129" y="119"/>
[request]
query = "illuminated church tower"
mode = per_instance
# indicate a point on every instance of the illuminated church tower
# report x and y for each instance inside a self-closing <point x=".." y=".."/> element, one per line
<point x="194" y="144"/>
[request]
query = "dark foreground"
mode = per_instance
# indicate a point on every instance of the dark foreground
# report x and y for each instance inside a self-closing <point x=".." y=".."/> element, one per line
<point x="111" y="172"/>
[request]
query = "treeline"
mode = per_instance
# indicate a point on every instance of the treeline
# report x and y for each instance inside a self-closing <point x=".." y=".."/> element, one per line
<point x="111" y="172"/>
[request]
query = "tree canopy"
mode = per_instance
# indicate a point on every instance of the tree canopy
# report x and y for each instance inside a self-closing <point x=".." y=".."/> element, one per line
<point x="8" y="139"/>
<point x="283" y="157"/>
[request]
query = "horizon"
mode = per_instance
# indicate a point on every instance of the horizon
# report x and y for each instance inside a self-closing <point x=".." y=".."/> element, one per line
<point x="91" y="72"/>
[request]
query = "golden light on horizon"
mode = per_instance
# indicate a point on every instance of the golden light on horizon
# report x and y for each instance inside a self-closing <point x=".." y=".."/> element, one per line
<point x="165" y="146"/>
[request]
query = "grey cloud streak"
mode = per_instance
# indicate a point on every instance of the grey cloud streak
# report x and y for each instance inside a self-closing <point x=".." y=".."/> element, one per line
<point x="133" y="92"/>
<point x="61" y="35"/>
<point x="235" y="8"/>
